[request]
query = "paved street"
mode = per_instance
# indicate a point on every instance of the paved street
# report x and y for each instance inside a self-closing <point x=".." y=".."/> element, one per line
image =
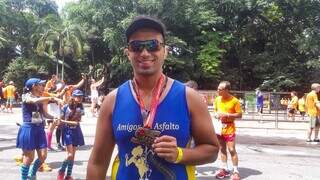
<point x="264" y="152"/>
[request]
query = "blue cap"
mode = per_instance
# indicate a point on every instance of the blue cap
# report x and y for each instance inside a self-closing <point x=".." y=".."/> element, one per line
<point x="77" y="92"/>
<point x="33" y="81"/>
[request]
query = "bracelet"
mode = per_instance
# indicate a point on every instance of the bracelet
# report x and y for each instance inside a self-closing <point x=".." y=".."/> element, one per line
<point x="180" y="155"/>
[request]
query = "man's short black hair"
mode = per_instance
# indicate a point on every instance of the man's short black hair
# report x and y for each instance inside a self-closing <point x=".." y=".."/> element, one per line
<point x="143" y="21"/>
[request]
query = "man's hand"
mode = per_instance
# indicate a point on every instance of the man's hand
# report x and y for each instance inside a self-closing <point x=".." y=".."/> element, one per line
<point x="166" y="147"/>
<point x="59" y="101"/>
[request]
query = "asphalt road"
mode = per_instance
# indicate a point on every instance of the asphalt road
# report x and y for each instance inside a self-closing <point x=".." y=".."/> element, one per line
<point x="263" y="153"/>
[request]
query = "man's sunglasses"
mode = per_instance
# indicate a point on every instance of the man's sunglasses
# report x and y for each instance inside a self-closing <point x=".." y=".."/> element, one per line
<point x="152" y="45"/>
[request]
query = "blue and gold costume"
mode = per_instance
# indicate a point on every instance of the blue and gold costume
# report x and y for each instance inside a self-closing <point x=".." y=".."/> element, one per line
<point x="31" y="134"/>
<point x="72" y="134"/>
<point x="172" y="118"/>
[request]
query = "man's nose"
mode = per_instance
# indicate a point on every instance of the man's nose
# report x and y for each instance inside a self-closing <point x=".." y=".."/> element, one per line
<point x="144" y="52"/>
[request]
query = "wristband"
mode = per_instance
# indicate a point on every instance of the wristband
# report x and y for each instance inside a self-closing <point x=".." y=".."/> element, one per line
<point x="180" y="155"/>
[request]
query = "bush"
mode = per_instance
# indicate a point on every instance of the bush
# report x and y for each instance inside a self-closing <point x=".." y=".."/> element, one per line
<point x="20" y="69"/>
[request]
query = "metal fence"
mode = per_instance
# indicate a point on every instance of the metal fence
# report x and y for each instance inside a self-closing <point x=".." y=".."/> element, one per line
<point x="273" y="110"/>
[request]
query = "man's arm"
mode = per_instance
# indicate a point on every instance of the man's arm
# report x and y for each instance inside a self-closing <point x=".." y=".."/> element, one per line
<point x="104" y="141"/>
<point x="80" y="83"/>
<point x="99" y="83"/>
<point x="206" y="143"/>
<point x="237" y="114"/>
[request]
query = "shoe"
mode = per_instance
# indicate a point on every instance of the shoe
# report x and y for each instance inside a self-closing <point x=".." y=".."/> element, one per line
<point x="308" y="140"/>
<point x="50" y="149"/>
<point x="222" y="173"/>
<point x="18" y="159"/>
<point x="32" y="177"/>
<point x="235" y="176"/>
<point x="45" y="168"/>
<point x="59" y="146"/>
<point x="60" y="175"/>
<point x="68" y="178"/>
<point x="316" y="140"/>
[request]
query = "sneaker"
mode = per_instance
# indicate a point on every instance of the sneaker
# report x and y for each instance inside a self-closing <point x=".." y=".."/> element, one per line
<point x="18" y="159"/>
<point x="222" y="173"/>
<point x="60" y="175"/>
<point x="50" y="148"/>
<point x="32" y="177"/>
<point x="308" y="140"/>
<point x="235" y="176"/>
<point x="45" y="168"/>
<point x="316" y="140"/>
<point x="68" y="178"/>
<point x="59" y="146"/>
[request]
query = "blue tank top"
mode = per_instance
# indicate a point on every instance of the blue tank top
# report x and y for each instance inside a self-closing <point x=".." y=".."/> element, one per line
<point x="172" y="118"/>
<point x="31" y="112"/>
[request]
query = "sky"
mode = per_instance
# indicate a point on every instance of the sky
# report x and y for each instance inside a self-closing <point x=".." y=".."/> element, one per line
<point x="61" y="3"/>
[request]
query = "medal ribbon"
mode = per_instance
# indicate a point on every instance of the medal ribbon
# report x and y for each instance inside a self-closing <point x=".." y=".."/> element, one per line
<point x="156" y="94"/>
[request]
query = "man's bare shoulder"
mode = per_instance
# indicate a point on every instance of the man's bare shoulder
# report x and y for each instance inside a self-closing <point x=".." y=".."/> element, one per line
<point x="111" y="97"/>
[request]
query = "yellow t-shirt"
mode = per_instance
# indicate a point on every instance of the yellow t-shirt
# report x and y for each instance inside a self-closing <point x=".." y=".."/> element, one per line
<point x="10" y="90"/>
<point x="294" y="103"/>
<point x="301" y="104"/>
<point x="311" y="101"/>
<point x="231" y="105"/>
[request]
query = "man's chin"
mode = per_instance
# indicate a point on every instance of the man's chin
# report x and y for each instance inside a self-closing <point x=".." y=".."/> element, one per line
<point x="146" y="72"/>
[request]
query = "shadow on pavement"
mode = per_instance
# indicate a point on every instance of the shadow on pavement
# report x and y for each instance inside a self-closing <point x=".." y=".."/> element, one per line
<point x="57" y="164"/>
<point x="206" y="173"/>
<point x="246" y="172"/>
<point x="7" y="147"/>
<point x="85" y="147"/>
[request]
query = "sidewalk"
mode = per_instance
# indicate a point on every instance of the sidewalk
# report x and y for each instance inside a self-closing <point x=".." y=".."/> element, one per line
<point x="268" y="129"/>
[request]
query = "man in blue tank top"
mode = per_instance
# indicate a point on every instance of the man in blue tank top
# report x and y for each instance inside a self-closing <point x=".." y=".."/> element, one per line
<point x="151" y="118"/>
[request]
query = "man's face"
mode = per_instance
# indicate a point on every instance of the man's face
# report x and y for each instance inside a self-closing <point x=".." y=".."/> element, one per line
<point x="222" y="90"/>
<point x="146" y="62"/>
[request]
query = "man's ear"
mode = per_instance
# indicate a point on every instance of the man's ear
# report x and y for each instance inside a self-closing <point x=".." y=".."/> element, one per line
<point x="126" y="52"/>
<point x="166" y="50"/>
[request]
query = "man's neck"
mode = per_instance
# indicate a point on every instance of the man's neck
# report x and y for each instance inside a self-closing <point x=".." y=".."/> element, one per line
<point x="226" y="97"/>
<point x="147" y="83"/>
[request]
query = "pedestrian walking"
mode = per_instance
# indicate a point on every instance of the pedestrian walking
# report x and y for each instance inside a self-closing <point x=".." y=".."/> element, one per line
<point x="313" y="109"/>
<point x="227" y="109"/>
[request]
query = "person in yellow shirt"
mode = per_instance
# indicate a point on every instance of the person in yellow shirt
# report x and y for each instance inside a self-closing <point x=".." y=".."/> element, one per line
<point x="313" y="109"/>
<point x="301" y="106"/>
<point x="227" y="109"/>
<point x="51" y="84"/>
<point x="10" y="95"/>
<point x="292" y="105"/>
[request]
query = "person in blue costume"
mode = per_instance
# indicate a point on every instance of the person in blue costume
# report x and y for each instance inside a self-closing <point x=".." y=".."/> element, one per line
<point x="151" y="118"/>
<point x="31" y="135"/>
<point x="72" y="136"/>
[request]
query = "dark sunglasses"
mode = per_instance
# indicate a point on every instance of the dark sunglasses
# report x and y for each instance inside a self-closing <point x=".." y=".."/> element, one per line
<point x="152" y="45"/>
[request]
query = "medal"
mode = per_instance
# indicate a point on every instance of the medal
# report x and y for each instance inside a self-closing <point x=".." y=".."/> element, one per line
<point x="145" y="135"/>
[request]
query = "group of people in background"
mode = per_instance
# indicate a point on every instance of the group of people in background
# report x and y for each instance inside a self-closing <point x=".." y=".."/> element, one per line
<point x="51" y="105"/>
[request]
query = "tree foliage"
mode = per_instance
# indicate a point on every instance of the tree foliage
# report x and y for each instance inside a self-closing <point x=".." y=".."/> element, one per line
<point x="271" y="44"/>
